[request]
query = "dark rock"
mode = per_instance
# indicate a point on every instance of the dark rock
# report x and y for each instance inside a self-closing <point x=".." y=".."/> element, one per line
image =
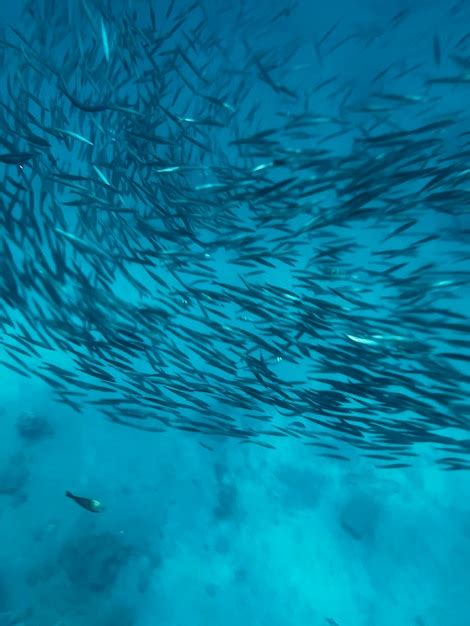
<point x="299" y="489"/>
<point x="14" y="474"/>
<point x="33" y="428"/>
<point x="222" y="545"/>
<point x="211" y="590"/>
<point x="95" y="561"/>
<point x="240" y="575"/>
<point x="226" y="507"/>
<point x="359" y="516"/>
<point x="119" y="616"/>
<point x="220" y="471"/>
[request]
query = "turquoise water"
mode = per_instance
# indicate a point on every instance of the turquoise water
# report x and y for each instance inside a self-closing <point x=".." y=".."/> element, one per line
<point x="200" y="525"/>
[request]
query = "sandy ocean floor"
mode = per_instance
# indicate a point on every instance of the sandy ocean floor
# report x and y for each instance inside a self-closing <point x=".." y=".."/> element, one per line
<point x="237" y="534"/>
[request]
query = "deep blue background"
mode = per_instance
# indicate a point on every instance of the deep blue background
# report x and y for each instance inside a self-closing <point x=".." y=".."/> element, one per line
<point x="235" y="535"/>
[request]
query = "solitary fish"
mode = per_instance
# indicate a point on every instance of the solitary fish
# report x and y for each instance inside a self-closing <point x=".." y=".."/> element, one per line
<point x="94" y="506"/>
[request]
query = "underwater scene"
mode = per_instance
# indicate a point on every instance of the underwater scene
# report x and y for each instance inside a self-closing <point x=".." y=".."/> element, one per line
<point x="235" y="313"/>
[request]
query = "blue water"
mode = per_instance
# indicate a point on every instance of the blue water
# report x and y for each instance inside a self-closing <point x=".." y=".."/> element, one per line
<point x="233" y="534"/>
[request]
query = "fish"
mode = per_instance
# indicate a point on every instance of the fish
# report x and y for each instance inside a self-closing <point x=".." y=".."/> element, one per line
<point x="104" y="37"/>
<point x="16" y="158"/>
<point x="94" y="506"/>
<point x="205" y="234"/>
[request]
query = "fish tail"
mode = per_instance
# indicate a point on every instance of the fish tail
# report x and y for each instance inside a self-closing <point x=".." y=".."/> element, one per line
<point x="69" y="494"/>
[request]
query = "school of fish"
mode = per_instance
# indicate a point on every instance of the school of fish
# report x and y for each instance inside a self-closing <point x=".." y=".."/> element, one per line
<point x="189" y="242"/>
